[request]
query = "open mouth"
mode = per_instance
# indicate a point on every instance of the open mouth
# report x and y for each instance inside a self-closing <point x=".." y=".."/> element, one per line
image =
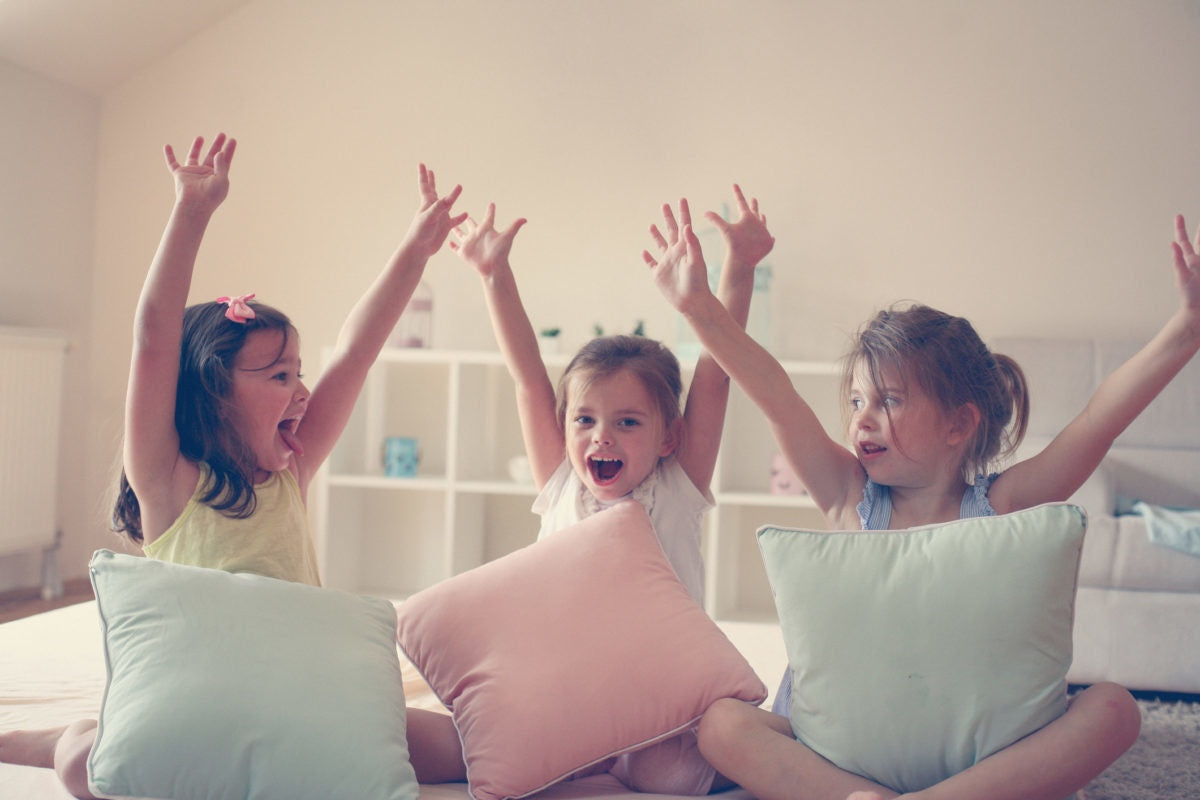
<point x="605" y="470"/>
<point x="870" y="449"/>
<point x="287" y="432"/>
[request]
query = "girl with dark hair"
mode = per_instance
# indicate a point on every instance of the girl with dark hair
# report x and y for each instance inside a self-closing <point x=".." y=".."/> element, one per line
<point x="222" y="437"/>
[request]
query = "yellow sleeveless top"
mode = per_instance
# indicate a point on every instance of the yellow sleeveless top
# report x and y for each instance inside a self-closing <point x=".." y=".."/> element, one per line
<point x="273" y="541"/>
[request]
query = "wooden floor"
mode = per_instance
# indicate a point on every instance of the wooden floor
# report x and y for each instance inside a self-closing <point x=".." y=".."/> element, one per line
<point x="27" y="602"/>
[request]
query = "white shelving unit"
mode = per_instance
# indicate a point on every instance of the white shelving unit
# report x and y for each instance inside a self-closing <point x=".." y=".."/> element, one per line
<point x="393" y="536"/>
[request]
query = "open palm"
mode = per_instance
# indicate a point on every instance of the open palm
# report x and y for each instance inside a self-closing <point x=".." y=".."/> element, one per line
<point x="679" y="271"/>
<point x="481" y="245"/>
<point x="202" y="183"/>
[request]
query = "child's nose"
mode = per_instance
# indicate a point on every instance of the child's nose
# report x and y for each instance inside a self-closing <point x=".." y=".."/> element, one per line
<point x="302" y="393"/>
<point x="864" y="419"/>
<point x="600" y="434"/>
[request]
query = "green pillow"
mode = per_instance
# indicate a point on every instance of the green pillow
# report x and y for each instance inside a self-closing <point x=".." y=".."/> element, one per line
<point x="225" y="685"/>
<point x="916" y="653"/>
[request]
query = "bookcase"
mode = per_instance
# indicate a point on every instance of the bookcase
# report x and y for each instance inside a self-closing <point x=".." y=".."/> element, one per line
<point x="393" y="536"/>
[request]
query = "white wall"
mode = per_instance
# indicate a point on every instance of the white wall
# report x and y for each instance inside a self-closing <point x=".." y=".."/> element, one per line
<point x="1018" y="163"/>
<point x="48" y="141"/>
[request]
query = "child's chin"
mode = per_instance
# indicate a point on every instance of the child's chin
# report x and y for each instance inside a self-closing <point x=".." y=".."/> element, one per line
<point x="607" y="493"/>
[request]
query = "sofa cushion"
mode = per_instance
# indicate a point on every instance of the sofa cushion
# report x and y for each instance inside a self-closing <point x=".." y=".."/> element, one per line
<point x="1119" y="555"/>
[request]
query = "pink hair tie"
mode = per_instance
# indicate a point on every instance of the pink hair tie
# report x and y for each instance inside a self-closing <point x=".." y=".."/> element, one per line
<point x="239" y="307"/>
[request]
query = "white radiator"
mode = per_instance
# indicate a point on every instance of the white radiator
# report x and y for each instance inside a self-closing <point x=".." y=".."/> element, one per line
<point x="31" y="381"/>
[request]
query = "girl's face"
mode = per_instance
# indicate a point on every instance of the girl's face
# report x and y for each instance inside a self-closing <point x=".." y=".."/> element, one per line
<point x="268" y="398"/>
<point x="901" y="436"/>
<point x="615" y="434"/>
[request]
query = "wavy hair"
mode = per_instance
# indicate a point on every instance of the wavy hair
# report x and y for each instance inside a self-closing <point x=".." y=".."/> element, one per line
<point x="207" y="353"/>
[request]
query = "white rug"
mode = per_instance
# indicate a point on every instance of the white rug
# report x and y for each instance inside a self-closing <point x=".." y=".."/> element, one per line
<point x="1163" y="764"/>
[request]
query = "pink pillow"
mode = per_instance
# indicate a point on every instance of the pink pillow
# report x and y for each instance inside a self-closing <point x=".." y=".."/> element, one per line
<point x="577" y="648"/>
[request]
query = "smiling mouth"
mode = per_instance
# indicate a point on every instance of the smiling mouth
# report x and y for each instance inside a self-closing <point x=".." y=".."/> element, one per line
<point x="605" y="470"/>
<point x="871" y="449"/>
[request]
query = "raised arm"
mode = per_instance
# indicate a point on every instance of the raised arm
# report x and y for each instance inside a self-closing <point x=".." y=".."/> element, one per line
<point x="747" y="242"/>
<point x="829" y="471"/>
<point x="1060" y="469"/>
<point x="151" y="448"/>
<point x="370" y="321"/>
<point x="487" y="250"/>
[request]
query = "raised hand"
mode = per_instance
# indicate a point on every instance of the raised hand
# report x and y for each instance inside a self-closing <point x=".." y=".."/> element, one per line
<point x="1187" y="264"/>
<point x="481" y="245"/>
<point x="202" y="185"/>
<point x="746" y="237"/>
<point x="679" y="271"/>
<point x="432" y="223"/>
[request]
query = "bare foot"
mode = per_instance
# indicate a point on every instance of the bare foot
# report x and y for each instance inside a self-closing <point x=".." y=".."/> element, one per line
<point x="30" y="748"/>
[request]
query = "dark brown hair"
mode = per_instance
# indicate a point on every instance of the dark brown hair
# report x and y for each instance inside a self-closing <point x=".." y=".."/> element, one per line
<point x="207" y="353"/>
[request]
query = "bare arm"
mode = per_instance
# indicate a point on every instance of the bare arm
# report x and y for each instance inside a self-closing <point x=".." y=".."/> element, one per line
<point x="1060" y="469"/>
<point x="831" y="473"/>
<point x="487" y="250"/>
<point x="159" y="476"/>
<point x="369" y="323"/>
<point x="747" y="242"/>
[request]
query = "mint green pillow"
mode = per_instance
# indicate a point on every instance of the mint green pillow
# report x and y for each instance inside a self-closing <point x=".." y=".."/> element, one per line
<point x="916" y="653"/>
<point x="226" y="686"/>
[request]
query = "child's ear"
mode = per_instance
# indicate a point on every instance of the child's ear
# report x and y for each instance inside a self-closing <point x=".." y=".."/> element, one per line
<point x="964" y="422"/>
<point x="671" y="438"/>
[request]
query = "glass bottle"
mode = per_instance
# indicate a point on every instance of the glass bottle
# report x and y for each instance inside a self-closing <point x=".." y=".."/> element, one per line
<point x="415" y="327"/>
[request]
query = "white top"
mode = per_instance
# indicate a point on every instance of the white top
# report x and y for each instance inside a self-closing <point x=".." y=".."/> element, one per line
<point x="675" y="505"/>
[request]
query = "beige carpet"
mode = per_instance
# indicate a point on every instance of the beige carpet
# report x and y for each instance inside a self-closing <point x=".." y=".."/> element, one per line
<point x="1164" y="763"/>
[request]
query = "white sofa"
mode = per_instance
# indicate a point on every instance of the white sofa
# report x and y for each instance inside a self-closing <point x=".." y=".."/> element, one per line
<point x="1137" y="614"/>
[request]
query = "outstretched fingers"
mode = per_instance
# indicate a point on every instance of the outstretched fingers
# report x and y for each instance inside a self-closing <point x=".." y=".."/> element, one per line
<point x="193" y="156"/>
<point x="658" y="238"/>
<point x="1181" y="237"/>
<point x="211" y="157"/>
<point x="672" y="224"/>
<point x="1187" y="262"/>
<point x="426" y="186"/>
<point x="218" y="158"/>
<point x="481" y="245"/>
<point x="742" y="205"/>
<point x="224" y="157"/>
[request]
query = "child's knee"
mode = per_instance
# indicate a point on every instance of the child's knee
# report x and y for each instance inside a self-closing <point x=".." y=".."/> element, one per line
<point x="71" y="757"/>
<point x="726" y="721"/>
<point x="1110" y="708"/>
<point x="1121" y="710"/>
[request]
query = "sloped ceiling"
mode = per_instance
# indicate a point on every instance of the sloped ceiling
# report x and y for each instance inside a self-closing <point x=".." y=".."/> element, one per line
<point x="94" y="44"/>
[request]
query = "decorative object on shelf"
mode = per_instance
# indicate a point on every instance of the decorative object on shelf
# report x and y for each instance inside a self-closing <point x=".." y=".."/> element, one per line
<point x="639" y="329"/>
<point x="415" y="327"/>
<point x="401" y="456"/>
<point x="519" y="469"/>
<point x="548" y="341"/>
<point x="783" y="479"/>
